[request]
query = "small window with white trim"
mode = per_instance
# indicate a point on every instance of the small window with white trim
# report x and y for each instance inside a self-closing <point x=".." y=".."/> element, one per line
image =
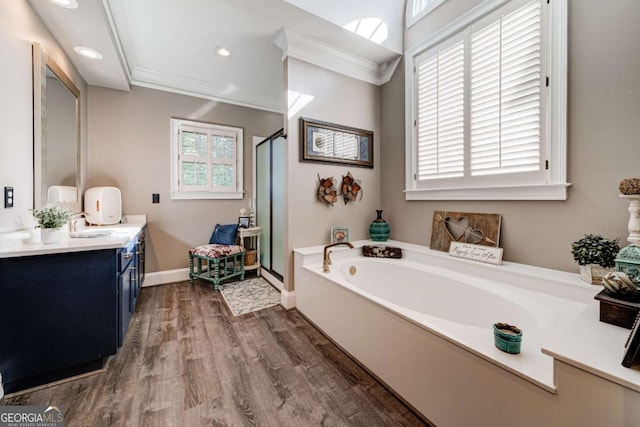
<point x="206" y="161"/>
<point x="487" y="117"/>
<point x="417" y="9"/>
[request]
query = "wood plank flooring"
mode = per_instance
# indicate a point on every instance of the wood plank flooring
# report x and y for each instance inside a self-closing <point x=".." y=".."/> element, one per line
<point x="187" y="361"/>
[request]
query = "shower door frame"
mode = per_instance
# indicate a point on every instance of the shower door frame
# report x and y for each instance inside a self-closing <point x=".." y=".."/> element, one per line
<point x="257" y="141"/>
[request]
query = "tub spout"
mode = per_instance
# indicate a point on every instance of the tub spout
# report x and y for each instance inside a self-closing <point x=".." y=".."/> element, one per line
<point x="326" y="259"/>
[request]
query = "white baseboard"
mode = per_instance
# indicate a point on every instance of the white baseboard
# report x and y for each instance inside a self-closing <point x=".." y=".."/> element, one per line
<point x="166" y="276"/>
<point x="272" y="279"/>
<point x="287" y="299"/>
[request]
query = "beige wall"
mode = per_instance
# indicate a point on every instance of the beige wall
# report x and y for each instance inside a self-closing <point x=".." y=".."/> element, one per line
<point x="19" y="28"/>
<point x="129" y="146"/>
<point x="336" y="99"/>
<point x="603" y="143"/>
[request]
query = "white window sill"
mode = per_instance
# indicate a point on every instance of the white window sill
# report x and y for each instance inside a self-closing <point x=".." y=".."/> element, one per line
<point x="518" y="192"/>
<point x="201" y="195"/>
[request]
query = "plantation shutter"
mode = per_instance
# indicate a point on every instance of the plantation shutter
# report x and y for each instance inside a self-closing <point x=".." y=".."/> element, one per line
<point x="207" y="160"/>
<point x="194" y="159"/>
<point x="505" y="128"/>
<point x="223" y="161"/>
<point x="440" y="113"/>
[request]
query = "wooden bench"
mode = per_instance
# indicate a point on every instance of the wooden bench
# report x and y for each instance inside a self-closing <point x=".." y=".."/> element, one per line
<point x="216" y="263"/>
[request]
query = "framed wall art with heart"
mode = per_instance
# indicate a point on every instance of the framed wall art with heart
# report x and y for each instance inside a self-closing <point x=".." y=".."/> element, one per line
<point x="466" y="227"/>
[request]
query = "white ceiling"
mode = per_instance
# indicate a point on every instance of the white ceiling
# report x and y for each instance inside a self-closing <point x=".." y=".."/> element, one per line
<point x="170" y="45"/>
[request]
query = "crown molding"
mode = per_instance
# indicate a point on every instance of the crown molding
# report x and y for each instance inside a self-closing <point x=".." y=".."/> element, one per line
<point x="144" y="77"/>
<point x="115" y="38"/>
<point x="215" y="91"/>
<point x="331" y="58"/>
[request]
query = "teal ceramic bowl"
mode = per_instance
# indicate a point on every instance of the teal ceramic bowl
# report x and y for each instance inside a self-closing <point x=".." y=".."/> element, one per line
<point x="508" y="338"/>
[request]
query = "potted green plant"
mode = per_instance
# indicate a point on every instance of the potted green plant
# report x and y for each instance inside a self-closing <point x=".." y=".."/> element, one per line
<point x="596" y="256"/>
<point x="50" y="221"/>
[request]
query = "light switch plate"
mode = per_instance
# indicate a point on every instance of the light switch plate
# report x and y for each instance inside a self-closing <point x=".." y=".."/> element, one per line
<point x="8" y="197"/>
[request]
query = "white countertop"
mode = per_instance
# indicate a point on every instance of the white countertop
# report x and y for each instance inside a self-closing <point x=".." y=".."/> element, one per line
<point x="17" y="244"/>
<point x="593" y="346"/>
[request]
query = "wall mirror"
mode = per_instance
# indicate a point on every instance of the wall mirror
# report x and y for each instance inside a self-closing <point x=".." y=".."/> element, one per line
<point x="56" y="134"/>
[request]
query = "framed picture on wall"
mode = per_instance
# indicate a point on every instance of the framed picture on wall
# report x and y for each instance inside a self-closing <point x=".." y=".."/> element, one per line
<point x="332" y="143"/>
<point x="339" y="233"/>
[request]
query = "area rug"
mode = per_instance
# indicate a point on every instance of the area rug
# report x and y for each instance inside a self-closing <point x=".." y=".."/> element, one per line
<point x="249" y="295"/>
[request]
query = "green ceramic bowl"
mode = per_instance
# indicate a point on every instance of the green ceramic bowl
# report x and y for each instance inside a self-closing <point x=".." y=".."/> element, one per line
<point x="507" y="337"/>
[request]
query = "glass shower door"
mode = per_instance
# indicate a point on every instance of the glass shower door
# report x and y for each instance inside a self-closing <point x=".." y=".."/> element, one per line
<point x="270" y="157"/>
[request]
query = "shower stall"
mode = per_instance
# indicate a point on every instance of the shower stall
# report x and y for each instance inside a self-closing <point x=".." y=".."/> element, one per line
<point x="269" y="194"/>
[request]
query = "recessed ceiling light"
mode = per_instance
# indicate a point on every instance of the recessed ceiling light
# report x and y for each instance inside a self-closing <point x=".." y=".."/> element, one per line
<point x="69" y="4"/>
<point x="223" y="51"/>
<point x="88" y="52"/>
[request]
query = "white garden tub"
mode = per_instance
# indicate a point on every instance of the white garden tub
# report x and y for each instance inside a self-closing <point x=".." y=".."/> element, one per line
<point x="423" y="325"/>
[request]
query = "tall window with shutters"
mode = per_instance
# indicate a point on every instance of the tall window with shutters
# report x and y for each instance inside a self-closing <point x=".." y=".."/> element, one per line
<point x="506" y="92"/>
<point x="482" y="113"/>
<point x="440" y="124"/>
<point x="206" y="161"/>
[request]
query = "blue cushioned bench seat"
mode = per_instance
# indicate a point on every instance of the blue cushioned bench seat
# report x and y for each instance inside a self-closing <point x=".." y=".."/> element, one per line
<point x="221" y="262"/>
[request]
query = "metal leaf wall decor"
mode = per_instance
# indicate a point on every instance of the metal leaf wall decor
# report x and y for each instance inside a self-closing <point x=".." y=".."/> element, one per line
<point x="350" y="188"/>
<point x="327" y="192"/>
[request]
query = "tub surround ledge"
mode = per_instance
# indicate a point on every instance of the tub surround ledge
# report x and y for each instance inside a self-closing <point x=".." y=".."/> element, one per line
<point x="593" y="346"/>
<point x="568" y="357"/>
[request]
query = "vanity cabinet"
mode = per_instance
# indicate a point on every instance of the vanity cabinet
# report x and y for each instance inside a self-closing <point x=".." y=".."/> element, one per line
<point x="131" y="271"/>
<point x="141" y="257"/>
<point x="58" y="316"/>
<point x="127" y="289"/>
<point x="62" y="314"/>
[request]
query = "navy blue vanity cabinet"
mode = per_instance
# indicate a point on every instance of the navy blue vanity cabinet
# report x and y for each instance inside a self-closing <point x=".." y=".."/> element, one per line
<point x="131" y="270"/>
<point x="58" y="315"/>
<point x="127" y="288"/>
<point x="141" y="257"/>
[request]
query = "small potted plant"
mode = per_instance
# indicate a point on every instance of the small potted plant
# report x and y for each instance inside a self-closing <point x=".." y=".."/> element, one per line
<point x="596" y="256"/>
<point x="50" y="221"/>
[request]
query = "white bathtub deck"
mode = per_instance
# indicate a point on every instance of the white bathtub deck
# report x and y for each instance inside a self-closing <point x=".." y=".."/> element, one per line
<point x="531" y="364"/>
<point x="568" y="372"/>
<point x="593" y="346"/>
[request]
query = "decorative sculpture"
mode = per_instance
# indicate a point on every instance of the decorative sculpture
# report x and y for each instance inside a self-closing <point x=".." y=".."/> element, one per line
<point x="327" y="192"/>
<point x="630" y="189"/>
<point x="350" y="188"/>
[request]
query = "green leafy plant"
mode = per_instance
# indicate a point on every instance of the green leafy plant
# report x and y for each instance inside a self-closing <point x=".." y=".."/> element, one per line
<point x="53" y="217"/>
<point x="595" y="249"/>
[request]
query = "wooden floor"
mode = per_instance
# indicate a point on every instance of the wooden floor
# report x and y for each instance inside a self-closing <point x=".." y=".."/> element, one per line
<point x="187" y="361"/>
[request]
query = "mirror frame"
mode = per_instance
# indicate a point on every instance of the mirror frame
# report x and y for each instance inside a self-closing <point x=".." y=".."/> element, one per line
<point x="42" y="61"/>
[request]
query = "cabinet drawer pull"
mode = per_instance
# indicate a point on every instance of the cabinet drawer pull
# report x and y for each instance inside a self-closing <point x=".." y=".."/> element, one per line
<point x="127" y="255"/>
